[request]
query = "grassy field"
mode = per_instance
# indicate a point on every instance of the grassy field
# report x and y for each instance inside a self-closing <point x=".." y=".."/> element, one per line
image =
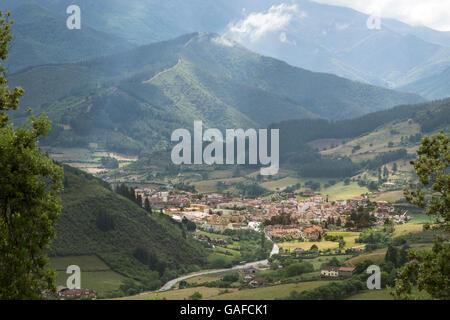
<point x="340" y="191"/>
<point x="208" y="186"/>
<point x="406" y="228"/>
<point x="390" y="196"/>
<point x="178" y="294"/>
<point x="270" y="293"/>
<point x="317" y="262"/>
<point x="349" y="238"/>
<point x="382" y="294"/>
<point x="95" y="274"/>
<point x="280" y="184"/>
<point x="322" y="245"/>
<point x="88" y="160"/>
<point x="376" y="141"/>
<point x="421" y="218"/>
<point x="206" y="278"/>
<point x="374" y="256"/>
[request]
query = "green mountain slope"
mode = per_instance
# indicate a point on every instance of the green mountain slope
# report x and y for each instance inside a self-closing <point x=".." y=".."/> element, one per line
<point x="131" y="101"/>
<point x="314" y="148"/>
<point x="97" y="221"/>
<point x="433" y="87"/>
<point x="42" y="37"/>
<point x="296" y="150"/>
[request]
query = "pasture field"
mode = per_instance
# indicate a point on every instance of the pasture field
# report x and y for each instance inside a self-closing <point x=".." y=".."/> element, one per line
<point x="209" y="186"/>
<point x="376" y="141"/>
<point x="322" y="245"/>
<point x="270" y="292"/>
<point x="281" y="184"/>
<point x="389" y="196"/>
<point x="95" y="274"/>
<point x="349" y="238"/>
<point x="382" y="294"/>
<point x="206" y="278"/>
<point x="340" y="191"/>
<point x="402" y="229"/>
<point x="376" y="255"/>
<point x="86" y="263"/>
<point x="88" y="160"/>
<point x="175" y="294"/>
<point x="420" y="218"/>
<point x="317" y="262"/>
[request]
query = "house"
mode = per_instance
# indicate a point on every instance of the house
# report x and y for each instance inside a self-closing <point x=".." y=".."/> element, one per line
<point x="313" y="232"/>
<point x="247" y="278"/>
<point x="345" y="272"/>
<point x="329" y="272"/>
<point x="353" y="250"/>
<point x="257" y="282"/>
<point x="66" y="293"/>
<point x="299" y="250"/>
<point x="389" y="184"/>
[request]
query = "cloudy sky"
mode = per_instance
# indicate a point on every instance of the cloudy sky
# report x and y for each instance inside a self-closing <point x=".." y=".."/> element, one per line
<point x="431" y="13"/>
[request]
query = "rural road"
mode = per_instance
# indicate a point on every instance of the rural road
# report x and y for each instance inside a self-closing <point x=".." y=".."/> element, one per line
<point x="265" y="262"/>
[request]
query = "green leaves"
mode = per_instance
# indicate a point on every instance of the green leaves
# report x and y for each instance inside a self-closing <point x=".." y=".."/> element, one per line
<point x="29" y="202"/>
<point x="430" y="269"/>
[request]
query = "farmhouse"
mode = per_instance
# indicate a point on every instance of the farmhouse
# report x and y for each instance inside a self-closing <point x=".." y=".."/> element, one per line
<point x="336" y="272"/>
<point x="345" y="272"/>
<point x="329" y="272"/>
<point x="257" y="282"/>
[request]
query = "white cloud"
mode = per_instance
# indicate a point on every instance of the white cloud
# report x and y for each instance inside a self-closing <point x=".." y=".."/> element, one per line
<point x="283" y="38"/>
<point x="431" y="13"/>
<point x="223" y="41"/>
<point x="258" y="24"/>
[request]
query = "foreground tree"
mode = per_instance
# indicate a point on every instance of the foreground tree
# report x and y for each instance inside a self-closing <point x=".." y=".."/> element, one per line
<point x="29" y="203"/>
<point x="430" y="269"/>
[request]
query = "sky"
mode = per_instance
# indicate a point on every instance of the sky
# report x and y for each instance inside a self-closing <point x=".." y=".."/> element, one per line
<point x="431" y="13"/>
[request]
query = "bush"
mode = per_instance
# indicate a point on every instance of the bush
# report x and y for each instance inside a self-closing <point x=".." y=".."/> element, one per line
<point x="298" y="269"/>
<point x="196" y="296"/>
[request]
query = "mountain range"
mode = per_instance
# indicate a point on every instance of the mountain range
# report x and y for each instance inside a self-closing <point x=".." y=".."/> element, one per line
<point x="132" y="101"/>
<point x="41" y="37"/>
<point x="304" y="33"/>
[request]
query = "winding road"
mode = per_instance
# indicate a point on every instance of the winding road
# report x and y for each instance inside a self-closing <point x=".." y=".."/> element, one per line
<point x="265" y="262"/>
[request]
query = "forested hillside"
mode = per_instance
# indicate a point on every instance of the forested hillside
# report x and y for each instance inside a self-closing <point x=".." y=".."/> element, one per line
<point x="150" y="248"/>
<point x="295" y="135"/>
<point x="41" y="37"/>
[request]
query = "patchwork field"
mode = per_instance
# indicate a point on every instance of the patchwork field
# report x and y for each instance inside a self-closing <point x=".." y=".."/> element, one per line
<point x="376" y="141"/>
<point x="374" y="256"/>
<point x="88" y="160"/>
<point x="270" y="293"/>
<point x="406" y="228"/>
<point x="390" y="196"/>
<point x="349" y="238"/>
<point x="317" y="262"/>
<point x="340" y="191"/>
<point x="95" y="274"/>
<point x="382" y="294"/>
<point x="177" y="294"/>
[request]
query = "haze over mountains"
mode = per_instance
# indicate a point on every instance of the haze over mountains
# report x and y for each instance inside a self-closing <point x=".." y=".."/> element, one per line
<point x="303" y="33"/>
<point x="41" y="37"/>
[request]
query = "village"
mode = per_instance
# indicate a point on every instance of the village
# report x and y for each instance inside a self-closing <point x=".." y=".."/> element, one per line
<point x="289" y="219"/>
